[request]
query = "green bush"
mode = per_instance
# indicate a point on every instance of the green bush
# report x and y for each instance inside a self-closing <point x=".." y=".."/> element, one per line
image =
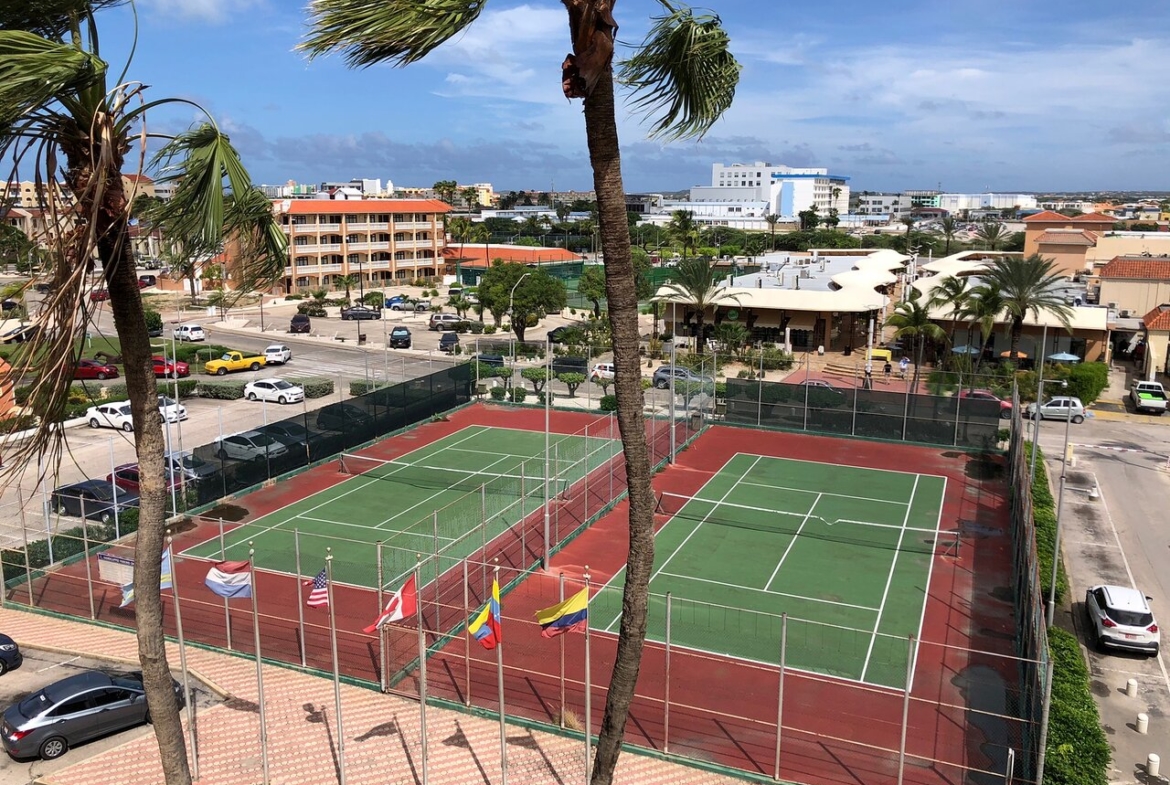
<point x="518" y="394"/>
<point x="489" y="329"/>
<point x="373" y="299"/>
<point x="154" y="320"/>
<point x="1078" y="752"/>
<point x="188" y="388"/>
<point x="314" y="308"/>
<point x="477" y="328"/>
<point x="18" y="423"/>
<point x="198" y="353"/>
<point x="294" y="297"/>
<point x="361" y="387"/>
<point x="609" y="403"/>
<point x="572" y="381"/>
<point x="315" y="386"/>
<point x="498" y="393"/>
<point x="222" y="391"/>
<point x="117" y="392"/>
<point x="1044" y="517"/>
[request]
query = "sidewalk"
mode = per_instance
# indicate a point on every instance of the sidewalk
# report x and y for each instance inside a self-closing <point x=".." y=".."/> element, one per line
<point x="381" y="732"/>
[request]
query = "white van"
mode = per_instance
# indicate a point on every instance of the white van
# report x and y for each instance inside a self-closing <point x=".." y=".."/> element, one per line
<point x="190" y="332"/>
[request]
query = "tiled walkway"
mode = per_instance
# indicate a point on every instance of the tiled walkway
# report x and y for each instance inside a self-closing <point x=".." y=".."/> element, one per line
<point x="381" y="737"/>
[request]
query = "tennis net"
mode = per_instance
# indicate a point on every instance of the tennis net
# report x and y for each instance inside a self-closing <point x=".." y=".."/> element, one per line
<point x="517" y="482"/>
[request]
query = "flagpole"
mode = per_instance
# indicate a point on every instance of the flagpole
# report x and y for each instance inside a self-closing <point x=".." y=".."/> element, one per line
<point x="500" y="686"/>
<point x="259" y="661"/>
<point x="300" y="607"/>
<point x="183" y="660"/>
<point x="547" y="397"/>
<point x="422" y="669"/>
<point x="227" y="615"/>
<point x="381" y="632"/>
<point x="333" y="648"/>
<point x="561" y="598"/>
<point x="467" y="638"/>
<point x="588" y="689"/>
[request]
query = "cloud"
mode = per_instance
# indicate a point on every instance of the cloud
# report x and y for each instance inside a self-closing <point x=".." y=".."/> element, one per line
<point x="1151" y="133"/>
<point x="214" y="11"/>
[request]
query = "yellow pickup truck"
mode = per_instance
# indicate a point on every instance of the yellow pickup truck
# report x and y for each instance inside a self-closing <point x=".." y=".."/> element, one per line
<point x="233" y="361"/>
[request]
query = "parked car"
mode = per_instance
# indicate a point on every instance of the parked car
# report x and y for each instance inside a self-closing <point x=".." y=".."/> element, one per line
<point x="43" y="287"/>
<point x="9" y="305"/>
<point x="342" y="417"/>
<point x="295" y="436"/>
<point x="111" y="415"/>
<point x="569" y="364"/>
<point x="171" y="410"/>
<point x="92" y="369"/>
<point x="234" y="361"/>
<point x="443" y="321"/>
<point x="25" y="332"/>
<point x="404" y="304"/>
<point x="147" y="280"/>
<point x="400" y="338"/>
<point x="277" y="354"/>
<point x="76" y="709"/>
<point x="249" y="446"/>
<point x="99" y="295"/>
<point x="129" y="477"/>
<point x="448" y="342"/>
<point x="1005" y="407"/>
<point x="10" y="656"/>
<point x="1148" y="397"/>
<point x="300" y="323"/>
<point x="359" y="312"/>
<point x="1120" y="618"/>
<point x="190" y="332"/>
<point x="1059" y="408"/>
<point x="490" y="359"/>
<point x="276" y="390"/>
<point x="189" y="465"/>
<point x="169" y="369"/>
<point x="601" y="371"/>
<point x="819" y="384"/>
<point x="563" y="333"/>
<point x="97" y="499"/>
<point x="663" y="374"/>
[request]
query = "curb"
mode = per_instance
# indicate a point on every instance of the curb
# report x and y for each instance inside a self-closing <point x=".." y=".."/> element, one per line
<point x="219" y="691"/>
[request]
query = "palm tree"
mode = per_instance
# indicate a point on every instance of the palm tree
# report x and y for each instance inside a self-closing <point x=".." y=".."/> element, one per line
<point x="911" y="320"/>
<point x="461" y="230"/>
<point x="446" y="190"/>
<point x="63" y="111"/>
<point x="470" y="196"/>
<point x="992" y="234"/>
<point x="698" y="284"/>
<point x="983" y="306"/>
<point x="772" y="219"/>
<point x="1027" y="285"/>
<point x="952" y="293"/>
<point x="949" y="227"/>
<point x="347" y="282"/>
<point x="683" y="230"/>
<point x="909" y="222"/>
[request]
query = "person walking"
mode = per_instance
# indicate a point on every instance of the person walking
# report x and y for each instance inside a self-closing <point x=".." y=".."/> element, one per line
<point x="904" y="366"/>
<point x="888" y="369"/>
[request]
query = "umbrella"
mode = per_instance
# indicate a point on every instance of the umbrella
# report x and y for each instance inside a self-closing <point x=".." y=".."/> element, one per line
<point x="1064" y="357"/>
<point x="1017" y="355"/>
<point x="964" y="349"/>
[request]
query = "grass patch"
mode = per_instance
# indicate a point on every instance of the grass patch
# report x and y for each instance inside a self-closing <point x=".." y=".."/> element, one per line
<point x="1044" y="518"/>
<point x="1077" y="752"/>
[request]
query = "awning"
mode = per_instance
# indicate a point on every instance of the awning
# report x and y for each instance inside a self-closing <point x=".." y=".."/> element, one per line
<point x="802" y="321"/>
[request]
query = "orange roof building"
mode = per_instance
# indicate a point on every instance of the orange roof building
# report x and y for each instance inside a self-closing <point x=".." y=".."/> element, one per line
<point x="1134" y="285"/>
<point x="1064" y="239"/>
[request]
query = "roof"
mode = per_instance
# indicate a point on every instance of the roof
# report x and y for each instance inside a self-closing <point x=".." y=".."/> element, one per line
<point x="1048" y="216"/>
<point x="1137" y="268"/>
<point x="1067" y="237"/>
<point x="1158" y="319"/>
<point x="138" y="178"/>
<point x="479" y="255"/>
<point x="363" y="206"/>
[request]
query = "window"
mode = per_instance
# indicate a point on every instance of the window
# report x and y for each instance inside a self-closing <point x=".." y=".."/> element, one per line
<point x="73" y="706"/>
<point x="111" y="696"/>
<point x="422" y="218"/>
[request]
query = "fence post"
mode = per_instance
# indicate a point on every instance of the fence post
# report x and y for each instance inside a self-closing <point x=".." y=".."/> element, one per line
<point x="1044" y="707"/>
<point x="1009" y="771"/>
<point x="561" y="638"/>
<point x="382" y="664"/>
<point x="958" y="405"/>
<point x="227" y="614"/>
<point x="483" y="531"/>
<point x="466" y="638"/>
<point x="301" y="605"/>
<point x="666" y="683"/>
<point x="853" y="426"/>
<point x="906" y="709"/>
<point x="88" y="569"/>
<point x="24" y="538"/>
<point x="905" y="413"/>
<point x="780" y="692"/>
<point x="438" y="569"/>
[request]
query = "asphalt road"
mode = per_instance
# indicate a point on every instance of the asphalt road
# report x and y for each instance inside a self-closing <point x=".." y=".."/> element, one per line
<point x="1119" y="538"/>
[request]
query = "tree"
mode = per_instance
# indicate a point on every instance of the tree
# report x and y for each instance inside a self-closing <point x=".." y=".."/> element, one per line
<point x="909" y="222"/>
<point x="528" y="293"/>
<point x="733" y="335"/>
<point x="1027" y="285"/>
<point x="951" y="292"/>
<point x="991" y="234"/>
<point x="591" y="286"/>
<point x="949" y="227"/>
<point x="470" y="197"/>
<point x="772" y="219"/>
<point x="808" y="219"/>
<point x="538" y="375"/>
<point x="63" y="111"/>
<point x="684" y="77"/>
<point x="683" y="231"/>
<point x="572" y="381"/>
<point x="347" y="282"/>
<point x="983" y="306"/>
<point x="911" y="321"/>
<point x="698" y="284"/>
<point x="446" y="190"/>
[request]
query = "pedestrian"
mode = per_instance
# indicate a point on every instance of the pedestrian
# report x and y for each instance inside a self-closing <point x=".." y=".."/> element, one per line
<point x="888" y="369"/>
<point x="867" y="384"/>
<point x="904" y="366"/>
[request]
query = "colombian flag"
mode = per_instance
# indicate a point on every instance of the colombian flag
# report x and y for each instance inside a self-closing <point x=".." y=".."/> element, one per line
<point x="570" y="615"/>
<point x="486" y="626"/>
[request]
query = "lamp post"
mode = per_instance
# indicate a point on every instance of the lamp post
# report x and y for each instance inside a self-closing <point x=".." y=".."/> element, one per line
<point x="511" y="296"/>
<point x="1059" y="508"/>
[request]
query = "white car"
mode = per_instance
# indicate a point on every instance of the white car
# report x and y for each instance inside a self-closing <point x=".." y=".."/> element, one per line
<point x="277" y="354"/>
<point x="190" y="332"/>
<point x="601" y="371"/>
<point x="1059" y="408"/>
<point x="171" y="410"/>
<point x="277" y="390"/>
<point x="117" y="415"/>
<point x="249" y="446"/>
<point x="1120" y="617"/>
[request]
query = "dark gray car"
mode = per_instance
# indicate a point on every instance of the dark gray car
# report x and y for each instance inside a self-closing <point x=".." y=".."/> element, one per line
<point x="93" y="499"/>
<point x="75" y="710"/>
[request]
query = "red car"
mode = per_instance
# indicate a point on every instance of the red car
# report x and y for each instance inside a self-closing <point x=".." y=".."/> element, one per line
<point x="126" y="477"/>
<point x="170" y="368"/>
<point x="1005" y="407"/>
<point x="99" y="295"/>
<point x="92" y="369"/>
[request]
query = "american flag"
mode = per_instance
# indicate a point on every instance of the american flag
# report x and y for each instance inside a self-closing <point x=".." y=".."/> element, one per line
<point x="319" y="596"/>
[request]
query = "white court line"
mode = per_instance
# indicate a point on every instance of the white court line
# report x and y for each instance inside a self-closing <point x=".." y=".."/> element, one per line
<point x="890" y="579"/>
<point x="929" y="575"/>
<point x="437" y="494"/>
<point x="265" y="530"/>
<point x="799" y="529"/>
<point x="824" y="493"/>
<point x="773" y="593"/>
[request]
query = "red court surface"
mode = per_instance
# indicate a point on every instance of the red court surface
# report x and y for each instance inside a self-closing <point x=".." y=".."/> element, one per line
<point x="720" y="710"/>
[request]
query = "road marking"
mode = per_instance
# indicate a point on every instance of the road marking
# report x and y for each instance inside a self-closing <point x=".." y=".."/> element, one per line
<point x="890" y="579"/>
<point x="59" y="664"/>
<point x="799" y="529"/>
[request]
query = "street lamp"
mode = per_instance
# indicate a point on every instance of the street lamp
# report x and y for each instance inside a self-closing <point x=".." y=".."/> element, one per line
<point x="1059" y="508"/>
<point x="512" y="295"/>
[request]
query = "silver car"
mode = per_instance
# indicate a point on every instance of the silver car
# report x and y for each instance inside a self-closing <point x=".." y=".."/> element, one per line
<point x="1060" y="408"/>
<point x="75" y="710"/>
<point x="1120" y="618"/>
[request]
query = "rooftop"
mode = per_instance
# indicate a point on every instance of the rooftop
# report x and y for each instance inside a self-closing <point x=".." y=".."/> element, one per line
<point x="1158" y="319"/>
<point x="360" y="206"/>
<point x="1138" y="268"/>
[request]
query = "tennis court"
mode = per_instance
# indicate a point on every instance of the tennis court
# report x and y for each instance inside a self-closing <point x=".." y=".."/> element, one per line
<point x="451" y="497"/>
<point x="846" y="552"/>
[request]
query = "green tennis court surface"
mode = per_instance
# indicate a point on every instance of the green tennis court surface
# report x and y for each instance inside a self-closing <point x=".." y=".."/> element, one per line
<point x="844" y="551"/>
<point x="450" y="496"/>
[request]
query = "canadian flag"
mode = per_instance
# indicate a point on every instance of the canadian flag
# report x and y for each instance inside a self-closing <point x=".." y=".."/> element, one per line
<point x="403" y="604"/>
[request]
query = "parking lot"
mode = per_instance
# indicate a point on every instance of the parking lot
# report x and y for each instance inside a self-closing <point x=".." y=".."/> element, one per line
<point x="41" y="668"/>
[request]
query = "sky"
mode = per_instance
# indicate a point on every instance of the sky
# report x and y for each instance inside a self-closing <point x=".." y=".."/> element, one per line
<point x="967" y="96"/>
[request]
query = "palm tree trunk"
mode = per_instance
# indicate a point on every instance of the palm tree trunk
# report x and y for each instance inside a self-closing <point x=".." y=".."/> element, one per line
<point x="918" y="365"/>
<point x="605" y="157"/>
<point x="130" y="323"/>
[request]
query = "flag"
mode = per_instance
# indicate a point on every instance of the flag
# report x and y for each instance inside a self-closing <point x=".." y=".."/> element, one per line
<point x="165" y="581"/>
<point x="486" y="626"/>
<point x="402" y="605"/>
<point x="569" y="616"/>
<point x="230" y="579"/>
<point x="319" y="596"/>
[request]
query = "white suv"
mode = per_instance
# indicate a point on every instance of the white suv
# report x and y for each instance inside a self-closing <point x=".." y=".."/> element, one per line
<point x="601" y="371"/>
<point x="1120" y="617"/>
<point x="190" y="332"/>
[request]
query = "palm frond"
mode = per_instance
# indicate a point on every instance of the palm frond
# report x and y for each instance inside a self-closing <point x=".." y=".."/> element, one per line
<point x="35" y="72"/>
<point x="683" y="73"/>
<point x="49" y="18"/>
<point x="400" y="32"/>
<point x="198" y="161"/>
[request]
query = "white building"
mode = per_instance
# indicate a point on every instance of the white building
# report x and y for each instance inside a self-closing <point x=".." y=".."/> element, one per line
<point x="788" y="191"/>
<point x="893" y="206"/>
<point x="954" y="203"/>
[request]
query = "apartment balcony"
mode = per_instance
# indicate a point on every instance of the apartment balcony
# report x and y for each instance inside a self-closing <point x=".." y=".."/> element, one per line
<point x="380" y="264"/>
<point x="403" y="244"/>
<point x="310" y="269"/>
<point x="400" y="225"/>
<point x="356" y="227"/>
<point x="382" y="246"/>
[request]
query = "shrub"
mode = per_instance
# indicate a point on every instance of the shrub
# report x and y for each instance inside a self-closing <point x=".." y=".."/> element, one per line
<point x="361" y="387"/>
<point x="315" y="308"/>
<point x="1077" y="752"/>
<point x="572" y="381"/>
<point x="116" y="392"/>
<point x="1044" y="518"/>
<point x="518" y="394"/>
<point x="197" y="353"/>
<point x="18" y="423"/>
<point x="221" y="391"/>
<point x="498" y="393"/>
<point x="609" y="403"/>
<point x="477" y="328"/>
<point x="154" y="320"/>
<point x="315" y="386"/>
<point x="187" y="387"/>
<point x="462" y="327"/>
<point x="294" y="297"/>
<point x="489" y="329"/>
<point x="538" y="376"/>
<point x="373" y="299"/>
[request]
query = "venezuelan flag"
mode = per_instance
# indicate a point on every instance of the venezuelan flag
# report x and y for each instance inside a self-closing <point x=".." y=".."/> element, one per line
<point x="486" y="626"/>
<point x="570" y="615"/>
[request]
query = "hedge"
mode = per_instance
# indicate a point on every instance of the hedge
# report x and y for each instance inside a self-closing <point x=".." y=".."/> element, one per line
<point x="1077" y="752"/>
<point x="1044" y="519"/>
<point x="608" y="403"/>
<point x="222" y="391"/>
<point x="198" y="353"/>
<point x="315" y="386"/>
<point x="67" y="543"/>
